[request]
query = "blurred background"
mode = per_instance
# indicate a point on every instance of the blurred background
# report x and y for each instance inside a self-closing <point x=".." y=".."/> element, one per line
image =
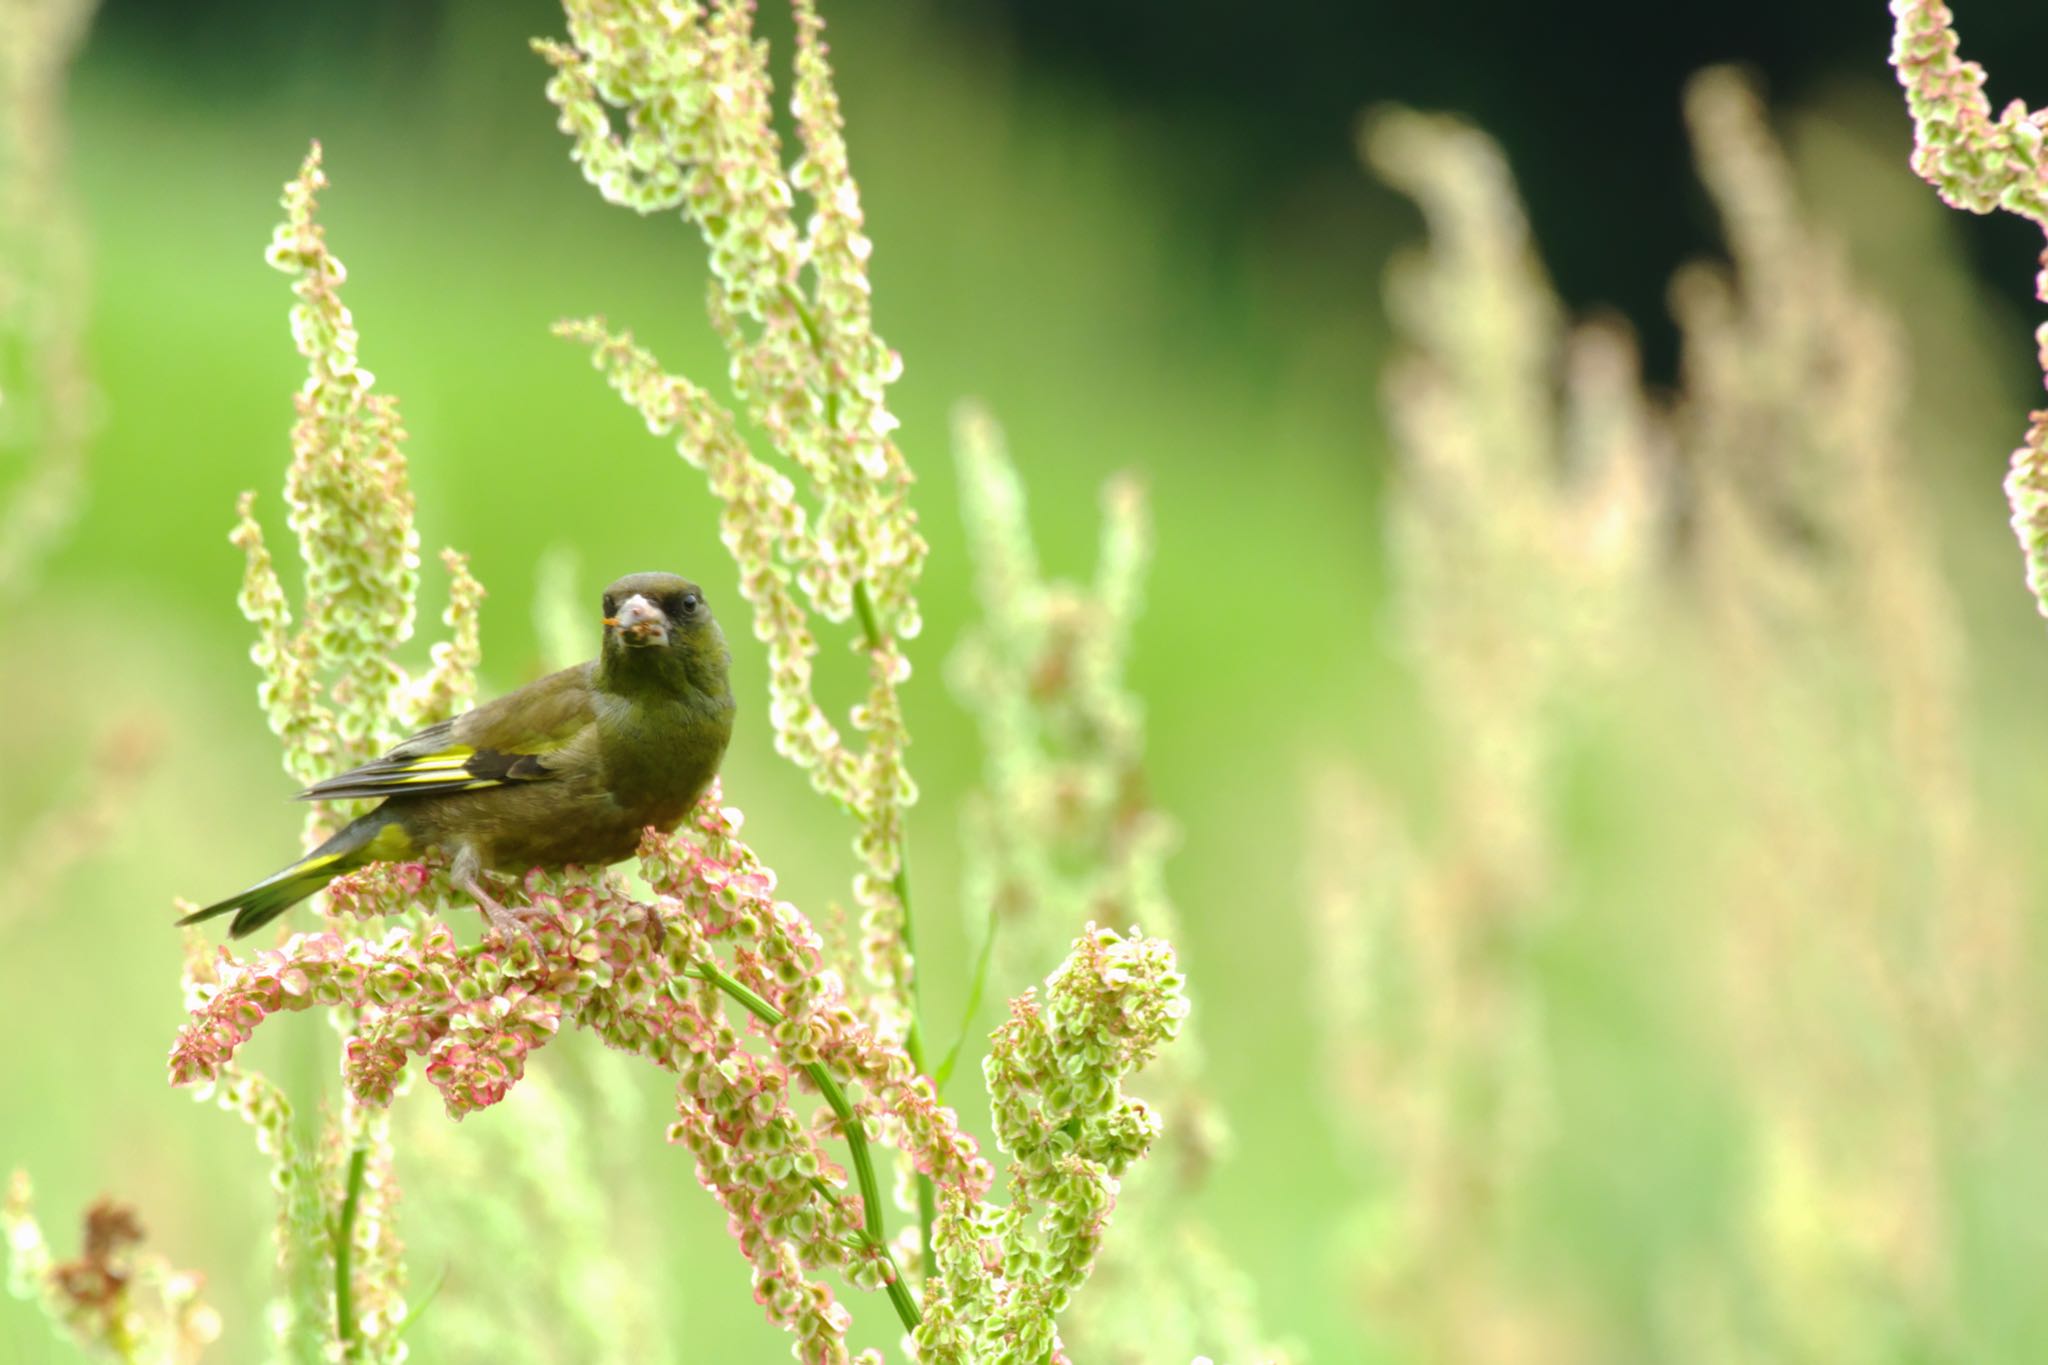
<point x="1141" y="234"/>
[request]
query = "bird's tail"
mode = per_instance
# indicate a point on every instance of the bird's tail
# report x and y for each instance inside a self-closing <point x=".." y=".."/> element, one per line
<point x="279" y="892"/>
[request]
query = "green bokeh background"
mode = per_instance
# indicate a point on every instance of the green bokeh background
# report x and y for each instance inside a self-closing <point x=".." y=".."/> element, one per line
<point x="1032" y="252"/>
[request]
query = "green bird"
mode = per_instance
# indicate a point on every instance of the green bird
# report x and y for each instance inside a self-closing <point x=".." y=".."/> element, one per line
<point x="568" y="769"/>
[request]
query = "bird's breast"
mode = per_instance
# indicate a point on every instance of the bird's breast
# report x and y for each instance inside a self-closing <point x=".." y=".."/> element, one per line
<point x="658" y="757"/>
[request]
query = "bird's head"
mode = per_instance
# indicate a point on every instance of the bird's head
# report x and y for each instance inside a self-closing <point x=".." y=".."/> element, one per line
<point x="656" y="623"/>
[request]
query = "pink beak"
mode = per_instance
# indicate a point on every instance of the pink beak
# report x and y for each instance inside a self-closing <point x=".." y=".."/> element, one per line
<point x="640" y="621"/>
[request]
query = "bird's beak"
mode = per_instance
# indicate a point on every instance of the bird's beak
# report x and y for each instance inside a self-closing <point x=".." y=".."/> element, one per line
<point x="640" y="622"/>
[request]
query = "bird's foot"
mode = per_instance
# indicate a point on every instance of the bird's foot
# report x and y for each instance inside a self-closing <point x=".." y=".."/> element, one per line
<point x="504" y="922"/>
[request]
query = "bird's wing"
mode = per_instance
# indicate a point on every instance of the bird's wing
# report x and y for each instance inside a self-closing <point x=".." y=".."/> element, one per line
<point x="511" y="739"/>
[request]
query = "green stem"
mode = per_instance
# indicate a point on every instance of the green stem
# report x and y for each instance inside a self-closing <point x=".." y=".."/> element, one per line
<point x="871" y="632"/>
<point x="871" y="629"/>
<point x="873" y="1232"/>
<point x="808" y="319"/>
<point x="344" y="1253"/>
<point x="974" y="993"/>
<point x="913" y="1043"/>
<point x="419" y="1305"/>
<point x="913" y="1040"/>
<point x="907" y="1311"/>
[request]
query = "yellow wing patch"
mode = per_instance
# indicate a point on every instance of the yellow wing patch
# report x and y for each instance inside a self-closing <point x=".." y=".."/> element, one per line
<point x="442" y="761"/>
<point x="457" y="768"/>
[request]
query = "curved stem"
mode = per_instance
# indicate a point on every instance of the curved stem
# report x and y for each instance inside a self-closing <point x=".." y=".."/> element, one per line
<point x="907" y="1310"/>
<point x="344" y="1253"/>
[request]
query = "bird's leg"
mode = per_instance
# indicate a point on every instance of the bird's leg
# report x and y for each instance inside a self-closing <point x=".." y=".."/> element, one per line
<point x="465" y="874"/>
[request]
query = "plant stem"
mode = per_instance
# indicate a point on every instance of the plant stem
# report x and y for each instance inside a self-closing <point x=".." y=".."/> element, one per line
<point x="871" y="630"/>
<point x="974" y="993"/>
<point x="419" y="1305"/>
<point x="907" y="1310"/>
<point x="913" y="1040"/>
<point x="344" y="1253"/>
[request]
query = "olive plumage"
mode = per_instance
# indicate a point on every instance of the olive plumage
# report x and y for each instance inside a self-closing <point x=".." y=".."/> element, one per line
<point x="570" y="768"/>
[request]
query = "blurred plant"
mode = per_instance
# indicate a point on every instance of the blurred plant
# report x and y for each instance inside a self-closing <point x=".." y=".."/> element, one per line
<point x="46" y="416"/>
<point x="1855" y="920"/>
<point x="1063" y="833"/>
<point x="559" y="609"/>
<point x="1825" y="600"/>
<point x="45" y="396"/>
<point x="46" y="402"/>
<point x="1523" y="532"/>
<point x="566" y="1279"/>
<point x="1982" y="164"/>
<point x="71" y="830"/>
<point x="113" y="1299"/>
<point x="1531" y="510"/>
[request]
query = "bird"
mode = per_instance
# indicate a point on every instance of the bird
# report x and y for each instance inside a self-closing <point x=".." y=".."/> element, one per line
<point x="569" y="769"/>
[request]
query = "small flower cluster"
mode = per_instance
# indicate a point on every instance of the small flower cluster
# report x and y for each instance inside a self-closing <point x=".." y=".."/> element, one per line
<point x="696" y="97"/>
<point x="671" y="107"/>
<point x="350" y="503"/>
<point x="347" y="495"/>
<point x="45" y="393"/>
<point x="113" y="1296"/>
<point x="448" y="687"/>
<point x="1055" y="1074"/>
<point x="764" y="1166"/>
<point x="777" y="955"/>
<point x="763" y="526"/>
<point x="472" y="1013"/>
<point x="1983" y="164"/>
<point x="644" y="978"/>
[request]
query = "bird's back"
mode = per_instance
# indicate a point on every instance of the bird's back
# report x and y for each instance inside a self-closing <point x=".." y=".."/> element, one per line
<point x="614" y="765"/>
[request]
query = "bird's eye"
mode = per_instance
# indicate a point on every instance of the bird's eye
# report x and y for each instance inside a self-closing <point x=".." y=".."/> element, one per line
<point x="611" y="608"/>
<point x="687" y="605"/>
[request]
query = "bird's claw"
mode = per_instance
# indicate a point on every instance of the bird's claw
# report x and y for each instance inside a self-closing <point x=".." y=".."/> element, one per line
<point x="503" y="922"/>
<point x="506" y="923"/>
